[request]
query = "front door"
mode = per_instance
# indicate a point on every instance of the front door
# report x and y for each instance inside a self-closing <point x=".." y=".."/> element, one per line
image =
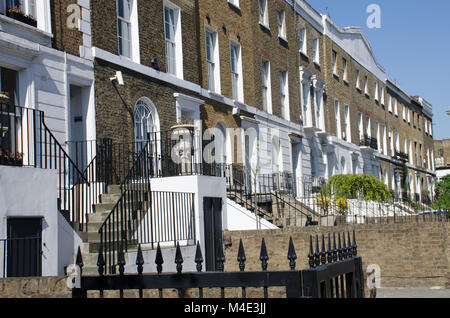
<point x="24" y="248"/>
<point x="212" y="209"/>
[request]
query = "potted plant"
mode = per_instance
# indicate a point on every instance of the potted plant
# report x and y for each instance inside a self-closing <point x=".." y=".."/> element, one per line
<point x="17" y="14"/>
<point x="4" y="97"/>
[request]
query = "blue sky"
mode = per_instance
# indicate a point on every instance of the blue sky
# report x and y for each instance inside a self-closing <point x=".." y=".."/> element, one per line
<point x="412" y="45"/>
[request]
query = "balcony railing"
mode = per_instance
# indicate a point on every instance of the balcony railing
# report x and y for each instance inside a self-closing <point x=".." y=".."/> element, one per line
<point x="25" y="140"/>
<point x="369" y="142"/>
<point x="401" y="156"/>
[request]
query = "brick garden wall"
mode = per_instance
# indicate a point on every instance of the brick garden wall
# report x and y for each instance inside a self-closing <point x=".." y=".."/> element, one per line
<point x="409" y="255"/>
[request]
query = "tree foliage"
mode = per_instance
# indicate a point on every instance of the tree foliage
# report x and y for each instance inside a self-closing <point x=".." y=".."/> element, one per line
<point x="442" y="200"/>
<point x="366" y="187"/>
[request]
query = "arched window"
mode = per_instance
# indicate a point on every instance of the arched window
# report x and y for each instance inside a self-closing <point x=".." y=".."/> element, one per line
<point x="146" y="120"/>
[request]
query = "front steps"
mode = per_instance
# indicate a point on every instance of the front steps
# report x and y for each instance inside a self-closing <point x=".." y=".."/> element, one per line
<point x="91" y="245"/>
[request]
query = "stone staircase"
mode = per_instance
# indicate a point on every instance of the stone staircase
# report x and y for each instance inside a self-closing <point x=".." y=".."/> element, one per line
<point x="91" y="244"/>
<point x="290" y="212"/>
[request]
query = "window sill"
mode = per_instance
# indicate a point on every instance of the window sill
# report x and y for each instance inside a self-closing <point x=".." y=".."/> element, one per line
<point x="264" y="27"/>
<point x="234" y="7"/>
<point x="359" y="89"/>
<point x="317" y="64"/>
<point x="346" y="82"/>
<point x="302" y="53"/>
<point x="367" y="95"/>
<point x="283" y="40"/>
<point x="335" y="75"/>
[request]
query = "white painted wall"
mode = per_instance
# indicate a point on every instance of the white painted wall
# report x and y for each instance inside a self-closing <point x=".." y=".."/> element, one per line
<point x="202" y="187"/>
<point x="30" y="192"/>
<point x="240" y="219"/>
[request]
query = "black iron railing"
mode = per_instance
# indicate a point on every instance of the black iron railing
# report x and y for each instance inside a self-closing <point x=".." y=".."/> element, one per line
<point x="335" y="272"/>
<point x="25" y="140"/>
<point x="144" y="216"/>
<point x="21" y="257"/>
<point x="369" y="142"/>
<point x="402" y="156"/>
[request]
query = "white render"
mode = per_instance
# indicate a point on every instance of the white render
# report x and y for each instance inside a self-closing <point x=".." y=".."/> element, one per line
<point x="30" y="192"/>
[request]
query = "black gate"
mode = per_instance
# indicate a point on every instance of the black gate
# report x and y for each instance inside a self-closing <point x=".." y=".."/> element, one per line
<point x="334" y="272"/>
<point x="24" y="247"/>
<point x="212" y="214"/>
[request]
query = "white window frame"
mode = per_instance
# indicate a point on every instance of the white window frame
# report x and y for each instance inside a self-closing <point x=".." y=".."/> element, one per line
<point x="334" y="62"/>
<point x="357" y="79"/>
<point x="266" y="86"/>
<point x="344" y="69"/>
<point x="133" y="23"/>
<point x="263" y="16"/>
<point x="236" y="74"/>
<point x="337" y="115"/>
<point x="234" y="3"/>
<point x="409" y="115"/>
<point x="303" y="41"/>
<point x="281" y="14"/>
<point x="176" y="41"/>
<point x="377" y="124"/>
<point x="385" y="145"/>
<point x="316" y="51"/>
<point x="389" y="103"/>
<point x="366" y="85"/>
<point x="347" y="126"/>
<point x="382" y="95"/>
<point x="404" y="112"/>
<point x="360" y="126"/>
<point x="376" y="94"/>
<point x="397" y="142"/>
<point x="211" y="34"/>
<point x="368" y="128"/>
<point x="395" y="107"/>
<point x="284" y="94"/>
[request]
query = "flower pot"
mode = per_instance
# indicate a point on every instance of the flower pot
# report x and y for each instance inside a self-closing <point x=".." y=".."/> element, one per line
<point x="22" y="18"/>
<point x="4" y="98"/>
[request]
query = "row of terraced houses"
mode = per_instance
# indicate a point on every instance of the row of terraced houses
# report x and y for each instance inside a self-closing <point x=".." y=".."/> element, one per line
<point x="88" y="87"/>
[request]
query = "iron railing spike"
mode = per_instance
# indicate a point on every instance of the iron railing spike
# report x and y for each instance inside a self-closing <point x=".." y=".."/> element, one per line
<point x="199" y="258"/>
<point x="140" y="260"/>
<point x="355" y="247"/>
<point x="339" y="247"/>
<point x="344" y="246"/>
<point x="311" y="253"/>
<point x="317" y="253"/>
<point x="323" y="254"/>
<point x="349" y="246"/>
<point x="159" y="261"/>
<point x="292" y="256"/>
<point x="335" y="258"/>
<point x="329" y="251"/>
<point x="121" y="260"/>
<point x="241" y="256"/>
<point x="101" y="262"/>
<point x="263" y="256"/>
<point x="79" y="259"/>
<point x="179" y="259"/>
<point x="220" y="259"/>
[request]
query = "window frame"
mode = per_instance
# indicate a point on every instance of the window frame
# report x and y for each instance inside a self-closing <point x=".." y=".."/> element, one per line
<point x="177" y="40"/>
<point x="266" y="86"/>
<point x="303" y="42"/>
<point x="282" y="28"/>
<point x="214" y="54"/>
<point x="237" y="91"/>
<point x="284" y="94"/>
<point x="264" y="18"/>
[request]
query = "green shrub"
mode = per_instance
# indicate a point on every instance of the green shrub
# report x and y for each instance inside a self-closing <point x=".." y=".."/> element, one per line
<point x="356" y="186"/>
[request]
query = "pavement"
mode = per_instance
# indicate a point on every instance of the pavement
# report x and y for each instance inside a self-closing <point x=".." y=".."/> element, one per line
<point x="425" y="292"/>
